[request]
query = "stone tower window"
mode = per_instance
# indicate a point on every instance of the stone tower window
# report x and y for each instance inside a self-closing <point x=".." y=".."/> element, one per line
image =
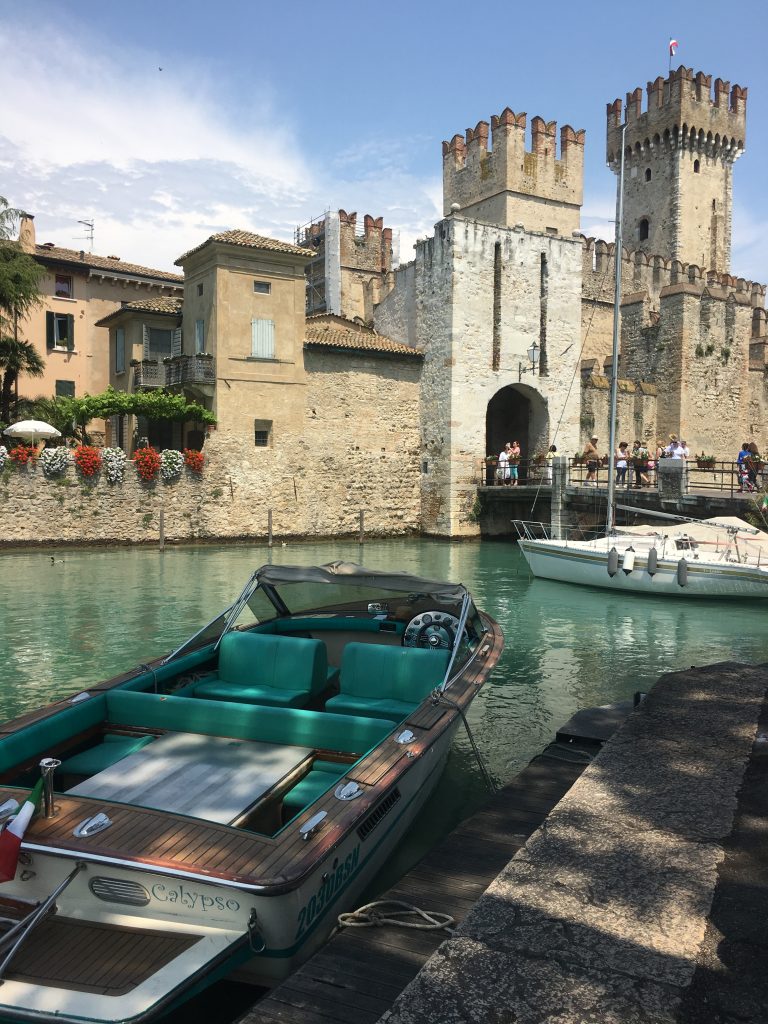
<point x="648" y="174"/>
<point x="643" y="229"/>
<point x="696" y="166"/>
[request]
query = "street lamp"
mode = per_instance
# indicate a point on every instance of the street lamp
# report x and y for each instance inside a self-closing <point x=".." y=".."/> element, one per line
<point x="533" y="358"/>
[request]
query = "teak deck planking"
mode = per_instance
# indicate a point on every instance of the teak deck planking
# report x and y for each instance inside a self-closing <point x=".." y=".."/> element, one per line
<point x="358" y="975"/>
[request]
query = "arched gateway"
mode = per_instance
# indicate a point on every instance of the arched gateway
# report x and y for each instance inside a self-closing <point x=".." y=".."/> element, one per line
<point x="517" y="413"/>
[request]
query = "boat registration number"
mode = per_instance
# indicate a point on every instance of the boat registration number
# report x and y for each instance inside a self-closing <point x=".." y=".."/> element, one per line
<point x="332" y="883"/>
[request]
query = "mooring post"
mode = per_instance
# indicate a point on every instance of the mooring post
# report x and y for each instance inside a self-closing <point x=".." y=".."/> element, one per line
<point x="269" y="527"/>
<point x="559" y="517"/>
<point x="361" y="532"/>
<point x="161" y="530"/>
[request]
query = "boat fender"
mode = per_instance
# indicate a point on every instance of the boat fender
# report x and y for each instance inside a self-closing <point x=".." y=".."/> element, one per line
<point x="682" y="572"/>
<point x="628" y="561"/>
<point x="653" y="562"/>
<point x="613" y="562"/>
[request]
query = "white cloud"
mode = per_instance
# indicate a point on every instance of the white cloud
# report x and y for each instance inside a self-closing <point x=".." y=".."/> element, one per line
<point x="158" y="161"/>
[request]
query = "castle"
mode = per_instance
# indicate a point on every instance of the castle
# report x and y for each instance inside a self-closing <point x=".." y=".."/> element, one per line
<point x="507" y="274"/>
<point x="341" y="384"/>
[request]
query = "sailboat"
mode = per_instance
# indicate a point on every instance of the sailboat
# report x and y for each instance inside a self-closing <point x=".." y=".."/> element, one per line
<point x="694" y="558"/>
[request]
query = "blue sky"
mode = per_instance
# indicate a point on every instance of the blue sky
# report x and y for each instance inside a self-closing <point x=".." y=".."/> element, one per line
<point x="265" y="114"/>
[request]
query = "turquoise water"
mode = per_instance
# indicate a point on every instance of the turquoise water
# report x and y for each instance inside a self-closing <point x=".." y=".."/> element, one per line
<point x="92" y="613"/>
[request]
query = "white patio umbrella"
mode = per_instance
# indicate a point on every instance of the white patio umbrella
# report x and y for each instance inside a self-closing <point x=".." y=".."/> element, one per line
<point x="32" y="430"/>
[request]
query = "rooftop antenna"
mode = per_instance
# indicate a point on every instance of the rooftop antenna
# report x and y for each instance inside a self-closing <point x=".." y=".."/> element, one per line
<point x="88" y="237"/>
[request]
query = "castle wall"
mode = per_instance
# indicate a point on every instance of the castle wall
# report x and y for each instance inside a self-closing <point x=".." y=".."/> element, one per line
<point x="635" y="412"/>
<point x="679" y="156"/>
<point x="448" y="302"/>
<point x="355" y="446"/>
<point x="508" y="184"/>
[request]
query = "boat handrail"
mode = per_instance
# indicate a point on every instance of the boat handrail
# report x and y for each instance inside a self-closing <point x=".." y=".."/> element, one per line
<point x="28" y="924"/>
<point x="459" y="634"/>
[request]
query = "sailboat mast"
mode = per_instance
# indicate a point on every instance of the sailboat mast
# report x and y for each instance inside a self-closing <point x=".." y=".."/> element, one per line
<point x="610" y="520"/>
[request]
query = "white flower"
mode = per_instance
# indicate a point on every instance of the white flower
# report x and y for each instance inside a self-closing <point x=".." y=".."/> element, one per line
<point x="113" y="460"/>
<point x="54" y="461"/>
<point x="171" y="464"/>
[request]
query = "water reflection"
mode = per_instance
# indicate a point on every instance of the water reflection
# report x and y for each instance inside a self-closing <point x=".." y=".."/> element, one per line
<point x="71" y="623"/>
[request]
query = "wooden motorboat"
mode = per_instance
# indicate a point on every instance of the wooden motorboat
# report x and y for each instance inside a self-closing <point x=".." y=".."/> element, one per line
<point x="214" y="810"/>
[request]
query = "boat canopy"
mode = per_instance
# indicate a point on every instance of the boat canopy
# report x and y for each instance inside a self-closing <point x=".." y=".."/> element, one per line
<point x="356" y="575"/>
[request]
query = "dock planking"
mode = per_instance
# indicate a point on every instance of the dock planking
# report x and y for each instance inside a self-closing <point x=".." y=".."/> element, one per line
<point x="358" y="975"/>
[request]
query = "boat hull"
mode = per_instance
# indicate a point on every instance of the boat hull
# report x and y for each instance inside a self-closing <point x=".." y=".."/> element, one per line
<point x="554" y="560"/>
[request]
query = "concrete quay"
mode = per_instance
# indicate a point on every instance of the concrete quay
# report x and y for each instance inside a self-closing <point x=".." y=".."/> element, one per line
<point x="641" y="898"/>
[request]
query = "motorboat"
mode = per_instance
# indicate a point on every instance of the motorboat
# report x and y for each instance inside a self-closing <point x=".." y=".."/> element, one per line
<point x="703" y="558"/>
<point x="211" y="812"/>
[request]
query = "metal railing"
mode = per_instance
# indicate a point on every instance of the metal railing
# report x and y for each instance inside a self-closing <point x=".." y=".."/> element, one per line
<point x="197" y="369"/>
<point x="529" y="471"/>
<point x="148" y="374"/>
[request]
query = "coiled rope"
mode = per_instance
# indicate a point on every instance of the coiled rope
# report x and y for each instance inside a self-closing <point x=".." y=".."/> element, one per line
<point x="401" y="915"/>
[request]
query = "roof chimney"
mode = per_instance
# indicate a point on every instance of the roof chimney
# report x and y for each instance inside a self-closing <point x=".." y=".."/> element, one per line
<point x="27" y="233"/>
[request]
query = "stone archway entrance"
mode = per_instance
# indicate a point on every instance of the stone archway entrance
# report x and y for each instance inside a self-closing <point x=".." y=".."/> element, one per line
<point x="517" y="413"/>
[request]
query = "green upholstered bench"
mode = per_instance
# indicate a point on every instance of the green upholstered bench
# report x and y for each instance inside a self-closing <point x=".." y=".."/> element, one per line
<point x="39" y="738"/>
<point x="291" y="726"/>
<point x="259" y="668"/>
<point x="380" y="681"/>
<point x="112" y="749"/>
<point x="323" y="776"/>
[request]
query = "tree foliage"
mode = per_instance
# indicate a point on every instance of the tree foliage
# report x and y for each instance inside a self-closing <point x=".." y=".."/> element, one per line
<point x="19" y="286"/>
<point x="9" y="218"/>
<point x="154" y="405"/>
<point x="16" y="357"/>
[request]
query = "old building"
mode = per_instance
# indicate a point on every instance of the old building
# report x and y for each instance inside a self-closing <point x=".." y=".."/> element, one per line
<point x="348" y="268"/>
<point x="493" y="300"/>
<point x="78" y="290"/>
<point x="693" y="337"/>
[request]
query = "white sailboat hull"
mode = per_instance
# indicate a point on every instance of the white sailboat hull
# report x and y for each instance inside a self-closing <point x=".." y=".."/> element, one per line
<point x="587" y="565"/>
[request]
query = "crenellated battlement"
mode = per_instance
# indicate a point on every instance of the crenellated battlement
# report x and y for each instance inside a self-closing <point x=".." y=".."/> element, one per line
<point x="498" y="183"/>
<point x="643" y="272"/>
<point x="681" y="110"/>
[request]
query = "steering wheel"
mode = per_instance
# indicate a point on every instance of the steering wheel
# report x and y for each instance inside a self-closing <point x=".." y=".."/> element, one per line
<point x="431" y="630"/>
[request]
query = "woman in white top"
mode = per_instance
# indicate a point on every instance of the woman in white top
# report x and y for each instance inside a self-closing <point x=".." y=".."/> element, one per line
<point x="502" y="471"/>
<point x="621" y="462"/>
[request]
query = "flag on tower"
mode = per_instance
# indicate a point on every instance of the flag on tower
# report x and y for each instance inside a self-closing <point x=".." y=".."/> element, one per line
<point x="673" y="45"/>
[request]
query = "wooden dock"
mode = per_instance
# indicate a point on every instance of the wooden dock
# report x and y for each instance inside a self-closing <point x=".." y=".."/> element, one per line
<point x="358" y="975"/>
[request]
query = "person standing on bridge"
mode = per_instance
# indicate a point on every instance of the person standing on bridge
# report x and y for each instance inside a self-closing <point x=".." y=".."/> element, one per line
<point x="514" y="462"/>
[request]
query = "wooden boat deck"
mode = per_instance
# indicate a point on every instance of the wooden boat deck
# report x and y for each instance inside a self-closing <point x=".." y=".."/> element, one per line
<point x="98" y="958"/>
<point x="190" y="845"/>
<point x="358" y="975"/>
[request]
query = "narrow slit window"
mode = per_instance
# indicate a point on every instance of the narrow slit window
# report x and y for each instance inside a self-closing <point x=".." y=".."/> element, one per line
<point x="696" y="166"/>
<point x="644" y="229"/>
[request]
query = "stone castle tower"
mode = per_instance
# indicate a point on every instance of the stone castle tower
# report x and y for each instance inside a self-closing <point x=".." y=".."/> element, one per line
<point x="509" y="185"/>
<point x="679" y="156"/>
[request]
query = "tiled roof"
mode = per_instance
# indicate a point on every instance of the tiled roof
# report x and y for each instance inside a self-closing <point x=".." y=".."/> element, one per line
<point x="166" y="305"/>
<point x="249" y="240"/>
<point x="336" y="332"/>
<point x="88" y="260"/>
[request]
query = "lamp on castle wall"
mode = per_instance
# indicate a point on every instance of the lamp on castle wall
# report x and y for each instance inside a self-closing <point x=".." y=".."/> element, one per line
<point x="533" y="358"/>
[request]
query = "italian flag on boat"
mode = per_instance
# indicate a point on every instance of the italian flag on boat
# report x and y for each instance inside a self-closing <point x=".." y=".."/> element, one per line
<point x="13" y="833"/>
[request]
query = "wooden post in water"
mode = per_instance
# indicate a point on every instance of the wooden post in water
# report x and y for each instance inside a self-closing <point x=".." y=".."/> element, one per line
<point x="361" y="532"/>
<point x="161" y="530"/>
<point x="269" y="527"/>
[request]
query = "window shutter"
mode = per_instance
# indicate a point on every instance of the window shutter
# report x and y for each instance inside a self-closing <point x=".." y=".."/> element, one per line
<point x="263" y="339"/>
<point x="145" y="335"/>
<point x="70" y="333"/>
<point x="50" y="330"/>
<point x="176" y="342"/>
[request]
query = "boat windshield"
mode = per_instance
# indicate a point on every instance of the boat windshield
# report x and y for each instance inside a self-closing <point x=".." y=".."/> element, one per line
<point x="322" y="593"/>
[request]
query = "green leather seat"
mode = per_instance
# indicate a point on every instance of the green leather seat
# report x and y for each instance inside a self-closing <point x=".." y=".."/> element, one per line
<point x="379" y="681"/>
<point x="258" y="668"/>
<point x="94" y="760"/>
<point x="312" y="786"/>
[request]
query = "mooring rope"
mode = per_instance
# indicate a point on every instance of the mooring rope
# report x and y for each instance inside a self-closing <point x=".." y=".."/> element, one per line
<point x="438" y="697"/>
<point x="370" y="916"/>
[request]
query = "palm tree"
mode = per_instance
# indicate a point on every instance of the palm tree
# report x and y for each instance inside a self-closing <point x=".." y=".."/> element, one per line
<point x="16" y="357"/>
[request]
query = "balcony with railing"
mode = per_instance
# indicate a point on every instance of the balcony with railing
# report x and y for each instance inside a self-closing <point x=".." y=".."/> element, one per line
<point x="177" y="371"/>
<point x="197" y="369"/>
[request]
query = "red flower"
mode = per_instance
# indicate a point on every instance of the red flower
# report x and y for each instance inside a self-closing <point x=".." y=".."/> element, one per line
<point x="147" y="462"/>
<point x="87" y="460"/>
<point x="193" y="460"/>
<point x="20" y="455"/>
